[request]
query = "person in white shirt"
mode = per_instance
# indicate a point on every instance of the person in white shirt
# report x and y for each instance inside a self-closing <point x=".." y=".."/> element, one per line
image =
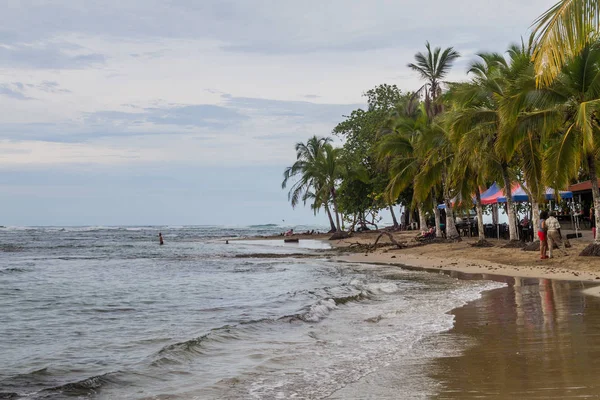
<point x="554" y="235"/>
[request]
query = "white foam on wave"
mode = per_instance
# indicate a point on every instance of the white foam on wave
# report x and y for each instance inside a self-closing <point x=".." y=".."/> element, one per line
<point x="355" y="341"/>
<point x="374" y="287"/>
<point x="319" y="310"/>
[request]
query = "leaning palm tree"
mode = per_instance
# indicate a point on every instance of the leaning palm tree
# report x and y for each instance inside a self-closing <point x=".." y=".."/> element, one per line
<point x="328" y="170"/>
<point x="573" y="107"/>
<point x="471" y="164"/>
<point x="480" y="119"/>
<point x="433" y="66"/>
<point x="562" y="32"/>
<point x="438" y="158"/>
<point x="523" y="136"/>
<point x="398" y="150"/>
<point x="307" y="185"/>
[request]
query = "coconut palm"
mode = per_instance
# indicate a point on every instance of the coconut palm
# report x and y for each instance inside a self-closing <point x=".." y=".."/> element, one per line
<point x="398" y="150"/>
<point x="328" y="171"/>
<point x="435" y="172"/>
<point x="471" y="165"/>
<point x="433" y="67"/>
<point x="572" y="105"/>
<point x="480" y="119"/>
<point x="523" y="136"/>
<point x="307" y="185"/>
<point x="562" y="32"/>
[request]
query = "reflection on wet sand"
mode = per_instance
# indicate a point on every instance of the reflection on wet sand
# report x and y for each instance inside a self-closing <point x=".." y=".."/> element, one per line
<point x="535" y="339"/>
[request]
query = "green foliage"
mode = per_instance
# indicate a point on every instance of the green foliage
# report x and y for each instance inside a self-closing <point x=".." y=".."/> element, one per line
<point x="448" y="140"/>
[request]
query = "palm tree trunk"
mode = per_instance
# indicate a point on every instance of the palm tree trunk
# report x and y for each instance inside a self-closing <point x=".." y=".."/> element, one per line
<point x="394" y="217"/>
<point x="535" y="218"/>
<point x="479" y="208"/>
<point x="535" y="212"/>
<point x="422" y="220"/>
<point x="436" y="214"/>
<point x="451" y="231"/>
<point x="512" y="226"/>
<point x="335" y="208"/>
<point x="595" y="192"/>
<point x="331" y="223"/>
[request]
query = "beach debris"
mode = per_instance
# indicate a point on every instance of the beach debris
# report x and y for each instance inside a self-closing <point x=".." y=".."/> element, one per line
<point x="514" y="244"/>
<point x="482" y="243"/>
<point x="593" y="250"/>
<point x="340" y="235"/>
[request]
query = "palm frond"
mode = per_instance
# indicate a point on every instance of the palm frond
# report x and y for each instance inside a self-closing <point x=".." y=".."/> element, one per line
<point x="561" y="33"/>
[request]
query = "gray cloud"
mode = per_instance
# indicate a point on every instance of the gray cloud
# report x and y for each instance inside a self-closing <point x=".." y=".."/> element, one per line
<point x="47" y="56"/>
<point x="151" y="121"/>
<point x="50" y="87"/>
<point x="18" y="90"/>
<point x="14" y="90"/>
<point x="304" y="110"/>
<point x="272" y="27"/>
<point x="200" y="115"/>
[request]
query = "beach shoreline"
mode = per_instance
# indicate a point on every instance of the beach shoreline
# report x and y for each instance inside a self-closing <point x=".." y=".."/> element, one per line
<point x="463" y="257"/>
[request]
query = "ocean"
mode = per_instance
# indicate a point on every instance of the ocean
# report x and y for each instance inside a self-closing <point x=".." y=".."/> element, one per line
<point x="107" y="313"/>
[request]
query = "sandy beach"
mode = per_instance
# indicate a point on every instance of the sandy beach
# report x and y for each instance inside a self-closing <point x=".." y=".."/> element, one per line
<point x="463" y="257"/>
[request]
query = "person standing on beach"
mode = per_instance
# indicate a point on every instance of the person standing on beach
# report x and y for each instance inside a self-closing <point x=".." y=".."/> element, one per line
<point x="160" y="239"/>
<point x="542" y="235"/>
<point x="554" y="235"/>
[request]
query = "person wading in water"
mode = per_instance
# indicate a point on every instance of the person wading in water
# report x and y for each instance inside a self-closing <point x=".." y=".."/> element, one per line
<point x="160" y="238"/>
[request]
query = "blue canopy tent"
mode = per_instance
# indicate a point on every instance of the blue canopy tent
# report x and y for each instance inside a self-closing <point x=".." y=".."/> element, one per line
<point x="564" y="194"/>
<point x="518" y="194"/>
<point x="487" y="194"/>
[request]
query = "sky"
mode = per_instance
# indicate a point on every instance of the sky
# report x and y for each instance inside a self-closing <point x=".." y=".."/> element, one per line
<point x="186" y="112"/>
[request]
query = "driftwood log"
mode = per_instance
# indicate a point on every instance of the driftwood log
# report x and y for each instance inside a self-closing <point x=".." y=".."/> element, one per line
<point x="391" y="237"/>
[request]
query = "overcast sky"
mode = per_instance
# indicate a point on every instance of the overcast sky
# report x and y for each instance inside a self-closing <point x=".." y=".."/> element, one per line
<point x="186" y="111"/>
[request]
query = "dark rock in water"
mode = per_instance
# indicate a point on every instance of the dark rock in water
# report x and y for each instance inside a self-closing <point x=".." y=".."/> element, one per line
<point x="593" y="250"/>
<point x="291" y="240"/>
<point x="339" y="235"/>
<point x="4" y="395"/>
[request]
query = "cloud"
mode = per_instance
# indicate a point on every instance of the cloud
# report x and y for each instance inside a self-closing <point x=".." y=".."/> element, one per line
<point x="303" y="110"/>
<point x="48" y="55"/>
<point x="14" y="90"/>
<point x="199" y="115"/>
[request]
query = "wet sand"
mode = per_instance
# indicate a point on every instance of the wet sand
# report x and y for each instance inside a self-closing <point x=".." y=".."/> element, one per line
<point x="463" y="257"/>
<point x="535" y="339"/>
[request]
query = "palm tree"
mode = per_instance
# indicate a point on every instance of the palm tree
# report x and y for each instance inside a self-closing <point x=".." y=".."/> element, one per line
<point x="433" y="67"/>
<point x="525" y="124"/>
<point x="572" y="107"/>
<point x="398" y="150"/>
<point x="480" y="119"/>
<point x="328" y="171"/>
<point x="307" y="186"/>
<point x="471" y="165"/>
<point x="562" y="32"/>
<point x="436" y="171"/>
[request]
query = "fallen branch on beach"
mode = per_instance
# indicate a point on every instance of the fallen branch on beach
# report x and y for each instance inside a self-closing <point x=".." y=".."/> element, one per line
<point x="391" y="237"/>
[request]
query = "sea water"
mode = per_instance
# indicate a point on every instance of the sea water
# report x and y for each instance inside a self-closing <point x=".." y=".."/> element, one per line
<point x="107" y="313"/>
